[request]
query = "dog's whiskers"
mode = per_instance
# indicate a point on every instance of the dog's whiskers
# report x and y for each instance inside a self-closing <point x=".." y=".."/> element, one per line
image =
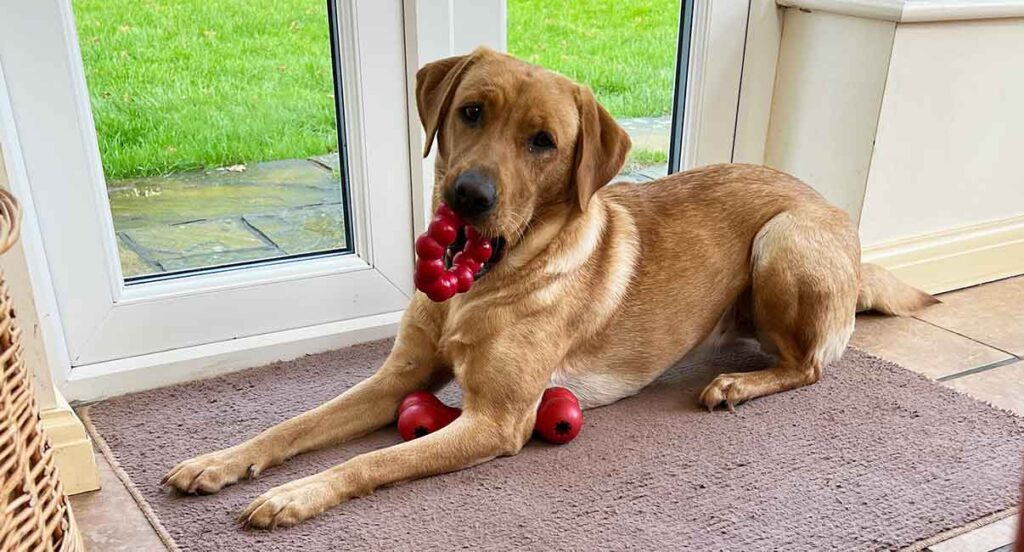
<point x="521" y="228"/>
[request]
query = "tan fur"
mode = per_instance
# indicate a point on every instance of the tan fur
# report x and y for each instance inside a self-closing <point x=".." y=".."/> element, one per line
<point x="601" y="290"/>
<point x="881" y="291"/>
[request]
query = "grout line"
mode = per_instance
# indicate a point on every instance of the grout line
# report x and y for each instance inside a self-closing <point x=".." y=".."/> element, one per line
<point x="979" y="369"/>
<point x="260" y="235"/>
<point x="321" y="164"/>
<point x="140" y="251"/>
<point x="966" y="337"/>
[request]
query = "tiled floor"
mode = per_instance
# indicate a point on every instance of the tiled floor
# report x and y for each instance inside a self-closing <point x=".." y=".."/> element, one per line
<point x="973" y="342"/>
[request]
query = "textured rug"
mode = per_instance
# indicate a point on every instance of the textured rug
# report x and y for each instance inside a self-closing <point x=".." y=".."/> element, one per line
<point x="873" y="457"/>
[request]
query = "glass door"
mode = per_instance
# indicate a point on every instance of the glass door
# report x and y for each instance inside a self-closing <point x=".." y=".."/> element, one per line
<point x="211" y="176"/>
<point x="220" y="130"/>
<point x="670" y="71"/>
<point x="626" y="52"/>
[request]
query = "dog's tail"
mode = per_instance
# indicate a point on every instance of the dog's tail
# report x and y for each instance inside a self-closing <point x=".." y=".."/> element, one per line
<point x="882" y="292"/>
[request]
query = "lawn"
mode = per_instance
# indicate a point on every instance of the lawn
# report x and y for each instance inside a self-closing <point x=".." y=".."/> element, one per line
<point x="185" y="85"/>
<point x="625" y="51"/>
<point x="179" y="86"/>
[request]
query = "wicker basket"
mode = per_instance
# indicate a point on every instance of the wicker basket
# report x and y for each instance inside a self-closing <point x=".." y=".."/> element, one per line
<point x="34" y="512"/>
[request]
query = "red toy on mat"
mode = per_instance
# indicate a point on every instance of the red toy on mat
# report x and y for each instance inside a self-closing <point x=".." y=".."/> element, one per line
<point x="422" y="413"/>
<point x="559" y="418"/>
<point x="439" y="276"/>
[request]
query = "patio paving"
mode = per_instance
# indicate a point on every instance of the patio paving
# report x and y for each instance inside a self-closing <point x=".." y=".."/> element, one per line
<point x="266" y="210"/>
<point x="207" y="218"/>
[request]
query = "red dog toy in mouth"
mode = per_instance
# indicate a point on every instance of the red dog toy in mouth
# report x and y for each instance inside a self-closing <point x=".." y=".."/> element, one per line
<point x="439" y="276"/>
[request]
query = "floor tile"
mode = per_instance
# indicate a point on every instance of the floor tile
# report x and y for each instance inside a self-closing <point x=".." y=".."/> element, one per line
<point x="992" y="313"/>
<point x="983" y="539"/>
<point x="920" y="346"/>
<point x="110" y="520"/>
<point x="1002" y="386"/>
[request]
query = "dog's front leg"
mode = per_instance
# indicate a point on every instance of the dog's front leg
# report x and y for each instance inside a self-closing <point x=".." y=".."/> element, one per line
<point x="501" y="386"/>
<point x="469" y="440"/>
<point x="371" y="404"/>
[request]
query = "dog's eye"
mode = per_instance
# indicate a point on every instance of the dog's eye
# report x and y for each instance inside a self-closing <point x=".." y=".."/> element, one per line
<point x="471" y="113"/>
<point x="541" y="141"/>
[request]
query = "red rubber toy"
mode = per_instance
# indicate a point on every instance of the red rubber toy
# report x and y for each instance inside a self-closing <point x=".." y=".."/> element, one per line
<point x="559" y="417"/>
<point x="433" y="276"/>
<point x="421" y="413"/>
<point x="553" y="392"/>
<point x="418" y="397"/>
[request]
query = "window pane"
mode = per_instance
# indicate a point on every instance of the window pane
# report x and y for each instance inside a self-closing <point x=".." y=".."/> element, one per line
<point x="624" y="51"/>
<point x="217" y="130"/>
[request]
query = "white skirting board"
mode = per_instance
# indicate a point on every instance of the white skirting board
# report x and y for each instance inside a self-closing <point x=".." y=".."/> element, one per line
<point x="957" y="258"/>
<point x="93" y="382"/>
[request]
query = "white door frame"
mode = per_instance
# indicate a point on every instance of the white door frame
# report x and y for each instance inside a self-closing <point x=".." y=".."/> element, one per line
<point x="118" y="338"/>
<point x="720" y="124"/>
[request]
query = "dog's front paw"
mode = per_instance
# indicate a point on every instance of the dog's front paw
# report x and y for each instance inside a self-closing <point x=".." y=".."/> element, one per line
<point x="291" y="503"/>
<point x="211" y="472"/>
<point x="727" y="389"/>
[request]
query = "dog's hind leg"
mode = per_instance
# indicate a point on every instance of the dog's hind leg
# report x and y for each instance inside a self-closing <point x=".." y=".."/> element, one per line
<point x="805" y="276"/>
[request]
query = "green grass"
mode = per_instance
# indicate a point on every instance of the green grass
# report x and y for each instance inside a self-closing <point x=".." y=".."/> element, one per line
<point x="185" y="85"/>
<point x="624" y="50"/>
<point x="182" y="85"/>
<point x="648" y="157"/>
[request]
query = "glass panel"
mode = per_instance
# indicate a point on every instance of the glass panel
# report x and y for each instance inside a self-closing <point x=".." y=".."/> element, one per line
<point x="625" y="51"/>
<point x="218" y="130"/>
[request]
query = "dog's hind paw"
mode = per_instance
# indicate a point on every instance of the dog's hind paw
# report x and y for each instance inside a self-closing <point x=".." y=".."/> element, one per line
<point x="726" y="389"/>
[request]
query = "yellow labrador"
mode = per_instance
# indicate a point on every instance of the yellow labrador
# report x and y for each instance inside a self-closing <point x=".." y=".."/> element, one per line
<point x="596" y="288"/>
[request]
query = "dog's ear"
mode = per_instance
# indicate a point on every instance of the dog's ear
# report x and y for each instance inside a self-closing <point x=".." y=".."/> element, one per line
<point x="435" y="85"/>
<point x="601" y="147"/>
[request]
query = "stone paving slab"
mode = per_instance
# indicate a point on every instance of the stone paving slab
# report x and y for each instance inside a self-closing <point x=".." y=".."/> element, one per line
<point x="185" y="197"/>
<point x="304" y="229"/>
<point x="643" y="174"/>
<point x="330" y="161"/>
<point x="649" y="133"/>
<point x="131" y="263"/>
<point x="199" y="244"/>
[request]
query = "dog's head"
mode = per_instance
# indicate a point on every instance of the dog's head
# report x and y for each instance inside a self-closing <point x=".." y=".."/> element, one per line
<point x="514" y="140"/>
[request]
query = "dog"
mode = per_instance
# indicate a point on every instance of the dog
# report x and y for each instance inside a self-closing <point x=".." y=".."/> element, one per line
<point x="596" y="288"/>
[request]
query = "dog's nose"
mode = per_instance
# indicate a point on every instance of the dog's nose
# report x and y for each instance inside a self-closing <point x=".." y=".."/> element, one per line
<point x="473" y="194"/>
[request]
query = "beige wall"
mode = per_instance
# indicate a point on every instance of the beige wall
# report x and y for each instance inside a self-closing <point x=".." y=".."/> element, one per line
<point x="828" y="89"/>
<point x="951" y="130"/>
<point x="914" y="128"/>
